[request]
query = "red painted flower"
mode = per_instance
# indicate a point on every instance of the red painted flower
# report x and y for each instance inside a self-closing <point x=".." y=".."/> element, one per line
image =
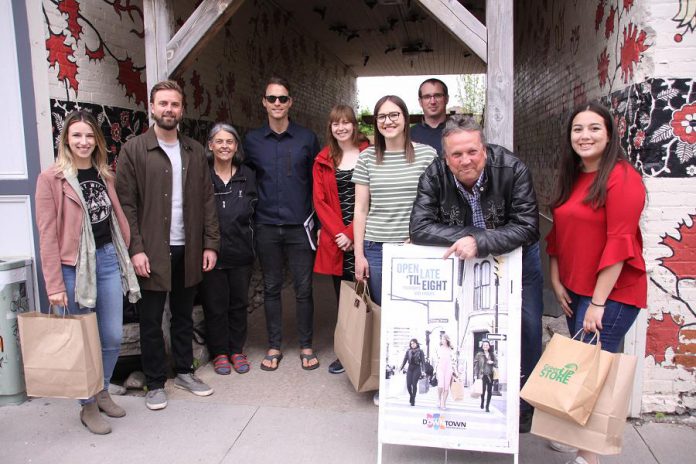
<point x="603" y="68"/>
<point x="125" y="119"/>
<point x="639" y="139"/>
<point x="116" y="132"/>
<point x="631" y="50"/>
<point x="609" y="25"/>
<point x="684" y="123"/>
<point x="599" y="15"/>
<point x="622" y="126"/>
<point x="627" y="4"/>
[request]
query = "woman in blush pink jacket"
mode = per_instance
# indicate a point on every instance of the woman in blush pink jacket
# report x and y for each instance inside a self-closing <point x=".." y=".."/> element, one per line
<point x="83" y="240"/>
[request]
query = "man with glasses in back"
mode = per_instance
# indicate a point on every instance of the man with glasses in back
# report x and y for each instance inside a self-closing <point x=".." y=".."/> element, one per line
<point x="433" y="98"/>
<point x="282" y="154"/>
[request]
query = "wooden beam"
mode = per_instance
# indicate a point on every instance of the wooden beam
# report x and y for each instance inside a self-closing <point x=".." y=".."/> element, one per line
<point x="158" y="19"/>
<point x="463" y="25"/>
<point x="499" y="81"/>
<point x="197" y="31"/>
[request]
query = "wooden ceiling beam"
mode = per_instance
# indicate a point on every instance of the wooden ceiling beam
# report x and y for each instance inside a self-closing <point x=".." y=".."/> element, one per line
<point x="461" y="23"/>
<point x="197" y="31"/>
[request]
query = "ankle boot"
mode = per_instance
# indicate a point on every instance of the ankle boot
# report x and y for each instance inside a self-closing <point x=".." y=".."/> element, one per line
<point x="91" y="419"/>
<point x="107" y="405"/>
<point x="481" y="401"/>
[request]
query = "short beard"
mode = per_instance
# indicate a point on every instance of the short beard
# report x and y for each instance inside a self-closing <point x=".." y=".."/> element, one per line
<point x="163" y="125"/>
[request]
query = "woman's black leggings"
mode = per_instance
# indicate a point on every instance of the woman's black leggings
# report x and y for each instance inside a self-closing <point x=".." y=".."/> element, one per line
<point x="412" y="376"/>
<point x="487" y="388"/>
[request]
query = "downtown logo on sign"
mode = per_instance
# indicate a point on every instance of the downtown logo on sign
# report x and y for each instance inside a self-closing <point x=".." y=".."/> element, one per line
<point x="438" y="422"/>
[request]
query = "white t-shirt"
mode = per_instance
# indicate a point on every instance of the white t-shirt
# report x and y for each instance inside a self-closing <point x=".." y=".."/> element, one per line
<point x="176" y="228"/>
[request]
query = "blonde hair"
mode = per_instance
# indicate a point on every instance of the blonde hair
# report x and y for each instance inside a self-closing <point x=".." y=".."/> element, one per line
<point x="100" y="160"/>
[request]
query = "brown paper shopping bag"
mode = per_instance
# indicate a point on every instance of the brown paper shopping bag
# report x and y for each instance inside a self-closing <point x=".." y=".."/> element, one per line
<point x="62" y="355"/>
<point x="356" y="339"/>
<point x="568" y="378"/>
<point x="457" y="389"/>
<point x="603" y="432"/>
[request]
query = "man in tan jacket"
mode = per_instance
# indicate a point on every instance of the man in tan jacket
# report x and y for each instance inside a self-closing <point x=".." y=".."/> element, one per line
<point x="164" y="186"/>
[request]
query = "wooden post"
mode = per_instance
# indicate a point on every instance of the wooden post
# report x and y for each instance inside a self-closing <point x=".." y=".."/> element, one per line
<point x="499" y="83"/>
<point x="457" y="20"/>
<point x="199" y="29"/>
<point x="158" y="19"/>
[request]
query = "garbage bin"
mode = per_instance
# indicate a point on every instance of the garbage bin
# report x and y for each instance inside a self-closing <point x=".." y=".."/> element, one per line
<point x="16" y="295"/>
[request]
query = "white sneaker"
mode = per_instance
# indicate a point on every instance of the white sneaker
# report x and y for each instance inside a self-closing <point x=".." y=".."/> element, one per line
<point x="375" y="399"/>
<point x="562" y="447"/>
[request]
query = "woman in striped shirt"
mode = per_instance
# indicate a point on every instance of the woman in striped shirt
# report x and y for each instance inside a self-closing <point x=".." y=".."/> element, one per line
<point x="386" y="180"/>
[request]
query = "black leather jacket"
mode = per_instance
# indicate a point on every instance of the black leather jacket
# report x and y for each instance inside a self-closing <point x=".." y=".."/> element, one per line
<point x="441" y="215"/>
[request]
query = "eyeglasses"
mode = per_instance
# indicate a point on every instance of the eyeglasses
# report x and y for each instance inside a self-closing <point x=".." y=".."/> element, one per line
<point x="272" y="98"/>
<point x="430" y="96"/>
<point x="221" y="142"/>
<point x="393" y="117"/>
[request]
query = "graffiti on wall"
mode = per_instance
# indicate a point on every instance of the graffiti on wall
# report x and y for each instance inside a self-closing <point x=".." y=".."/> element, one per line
<point x="68" y="43"/>
<point x="685" y="18"/>
<point x="656" y="120"/>
<point x="673" y="333"/>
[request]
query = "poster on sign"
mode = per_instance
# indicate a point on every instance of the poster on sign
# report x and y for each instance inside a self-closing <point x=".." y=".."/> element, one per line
<point x="450" y="360"/>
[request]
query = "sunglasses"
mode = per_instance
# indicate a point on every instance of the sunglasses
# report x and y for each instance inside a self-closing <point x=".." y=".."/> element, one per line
<point x="273" y="98"/>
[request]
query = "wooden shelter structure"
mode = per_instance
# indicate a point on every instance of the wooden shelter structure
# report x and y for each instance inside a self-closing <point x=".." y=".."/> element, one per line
<point x="170" y="54"/>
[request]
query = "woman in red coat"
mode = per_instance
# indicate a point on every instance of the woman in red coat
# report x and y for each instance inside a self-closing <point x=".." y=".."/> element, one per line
<point x="334" y="199"/>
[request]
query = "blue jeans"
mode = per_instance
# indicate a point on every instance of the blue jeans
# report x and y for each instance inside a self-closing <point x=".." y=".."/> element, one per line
<point x="532" y="311"/>
<point x="617" y="319"/>
<point x="273" y="243"/>
<point x="109" y="307"/>
<point x="373" y="254"/>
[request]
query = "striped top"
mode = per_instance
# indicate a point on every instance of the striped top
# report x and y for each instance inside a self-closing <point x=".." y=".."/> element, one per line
<point x="393" y="186"/>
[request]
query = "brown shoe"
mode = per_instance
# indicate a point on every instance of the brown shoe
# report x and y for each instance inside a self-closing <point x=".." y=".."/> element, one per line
<point x="94" y="421"/>
<point x="107" y="405"/>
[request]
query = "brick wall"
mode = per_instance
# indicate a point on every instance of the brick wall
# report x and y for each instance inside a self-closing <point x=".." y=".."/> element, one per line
<point x="638" y="57"/>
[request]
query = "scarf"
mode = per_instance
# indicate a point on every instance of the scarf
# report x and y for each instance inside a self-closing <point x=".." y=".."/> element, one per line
<point x="86" y="265"/>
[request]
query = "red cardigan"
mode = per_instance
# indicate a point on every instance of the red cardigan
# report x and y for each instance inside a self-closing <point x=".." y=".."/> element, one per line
<point x="586" y="240"/>
<point x="329" y="259"/>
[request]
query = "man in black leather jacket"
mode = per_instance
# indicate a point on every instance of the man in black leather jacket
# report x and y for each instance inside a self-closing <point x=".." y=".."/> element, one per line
<point x="479" y="200"/>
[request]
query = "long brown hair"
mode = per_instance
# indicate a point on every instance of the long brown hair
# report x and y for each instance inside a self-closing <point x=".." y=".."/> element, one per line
<point x="100" y="160"/>
<point x="380" y="144"/>
<point x="337" y="114"/>
<point x="570" y="164"/>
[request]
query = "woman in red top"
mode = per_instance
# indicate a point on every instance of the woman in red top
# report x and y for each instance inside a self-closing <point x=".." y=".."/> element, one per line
<point x="334" y="199"/>
<point x="595" y="245"/>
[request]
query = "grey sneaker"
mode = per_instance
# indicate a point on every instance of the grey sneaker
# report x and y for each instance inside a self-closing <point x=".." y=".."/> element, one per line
<point x="156" y="399"/>
<point x="193" y="384"/>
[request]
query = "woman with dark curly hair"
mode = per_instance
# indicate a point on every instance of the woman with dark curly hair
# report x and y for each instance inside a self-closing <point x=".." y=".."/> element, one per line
<point x="416" y="362"/>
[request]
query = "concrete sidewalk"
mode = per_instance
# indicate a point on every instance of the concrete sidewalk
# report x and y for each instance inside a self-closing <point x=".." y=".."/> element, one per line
<point x="284" y="417"/>
<point x="210" y="431"/>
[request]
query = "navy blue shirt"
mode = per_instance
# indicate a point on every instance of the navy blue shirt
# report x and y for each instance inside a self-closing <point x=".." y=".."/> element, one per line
<point x="423" y="133"/>
<point x="283" y="165"/>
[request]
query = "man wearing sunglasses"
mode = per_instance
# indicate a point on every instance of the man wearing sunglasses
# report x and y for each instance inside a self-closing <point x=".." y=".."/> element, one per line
<point x="433" y="98"/>
<point x="282" y="154"/>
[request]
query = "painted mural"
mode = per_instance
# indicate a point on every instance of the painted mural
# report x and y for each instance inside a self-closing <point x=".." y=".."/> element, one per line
<point x="656" y="120"/>
<point x="686" y="19"/>
<point x="75" y="41"/>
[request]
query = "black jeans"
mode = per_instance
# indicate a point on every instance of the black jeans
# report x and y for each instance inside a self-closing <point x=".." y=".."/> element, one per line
<point x="487" y="389"/>
<point x="225" y="294"/>
<point x="412" y="376"/>
<point x="273" y="244"/>
<point x="337" y="283"/>
<point x="151" y="308"/>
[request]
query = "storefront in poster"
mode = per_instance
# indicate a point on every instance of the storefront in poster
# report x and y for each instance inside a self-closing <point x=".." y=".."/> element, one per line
<point x="464" y="315"/>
